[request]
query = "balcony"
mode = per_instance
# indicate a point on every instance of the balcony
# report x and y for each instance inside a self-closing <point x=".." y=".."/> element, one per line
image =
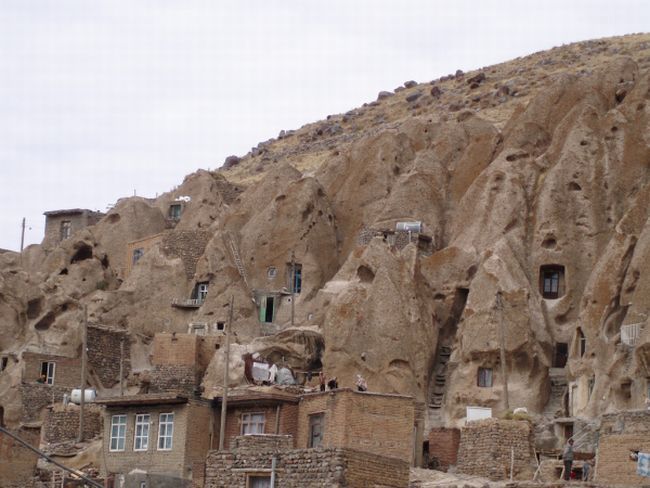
<point x="187" y="302"/>
<point x="630" y="333"/>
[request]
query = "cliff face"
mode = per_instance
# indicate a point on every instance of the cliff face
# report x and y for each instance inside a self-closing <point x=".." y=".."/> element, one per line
<point x="531" y="178"/>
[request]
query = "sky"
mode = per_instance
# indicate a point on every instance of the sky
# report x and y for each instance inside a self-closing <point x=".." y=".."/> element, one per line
<point x="100" y="100"/>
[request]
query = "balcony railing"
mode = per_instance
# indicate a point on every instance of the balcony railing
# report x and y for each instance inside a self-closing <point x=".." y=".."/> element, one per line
<point x="187" y="302"/>
<point x="630" y="334"/>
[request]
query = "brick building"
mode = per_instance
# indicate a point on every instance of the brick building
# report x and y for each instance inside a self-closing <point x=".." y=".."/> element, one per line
<point x="443" y="448"/>
<point x="61" y="224"/>
<point x="45" y="379"/>
<point x="376" y="423"/>
<point x="622" y="434"/>
<point x="258" y="412"/>
<point x="155" y="439"/>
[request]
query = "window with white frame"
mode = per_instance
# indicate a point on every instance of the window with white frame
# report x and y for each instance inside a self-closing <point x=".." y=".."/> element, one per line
<point x="47" y="372"/>
<point x="258" y="481"/>
<point x="165" y="431"/>
<point x="141" y="437"/>
<point x="118" y="433"/>
<point x="252" y="423"/>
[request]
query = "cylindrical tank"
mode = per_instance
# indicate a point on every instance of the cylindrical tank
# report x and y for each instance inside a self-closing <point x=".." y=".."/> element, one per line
<point x="89" y="395"/>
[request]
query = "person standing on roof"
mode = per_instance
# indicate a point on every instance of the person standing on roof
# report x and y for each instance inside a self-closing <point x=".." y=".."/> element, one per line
<point x="567" y="457"/>
<point x="321" y="381"/>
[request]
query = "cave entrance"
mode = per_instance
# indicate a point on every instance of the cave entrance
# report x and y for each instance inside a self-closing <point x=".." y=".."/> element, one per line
<point x="561" y="354"/>
<point x="267" y="309"/>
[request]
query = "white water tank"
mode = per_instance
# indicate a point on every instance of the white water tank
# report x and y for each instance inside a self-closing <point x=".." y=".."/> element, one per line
<point x="415" y="227"/>
<point x="89" y="395"/>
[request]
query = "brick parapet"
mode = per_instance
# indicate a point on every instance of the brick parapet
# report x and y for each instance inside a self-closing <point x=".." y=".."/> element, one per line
<point x="36" y="396"/>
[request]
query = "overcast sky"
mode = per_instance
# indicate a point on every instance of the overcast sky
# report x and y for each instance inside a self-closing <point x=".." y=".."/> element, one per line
<point x="99" y="99"/>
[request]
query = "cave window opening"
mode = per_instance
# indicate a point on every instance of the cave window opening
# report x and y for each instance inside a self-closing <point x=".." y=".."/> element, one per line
<point x="271" y="272"/>
<point x="47" y="372"/>
<point x="221" y="326"/>
<point x="267" y="309"/>
<point x="175" y="210"/>
<point x="66" y="229"/>
<point x="2" y="416"/>
<point x="137" y="254"/>
<point x="590" y="386"/>
<point x="294" y="272"/>
<point x="626" y="390"/>
<point x="551" y="278"/>
<point x="200" y="291"/>
<point x="3" y="363"/>
<point x="561" y="354"/>
<point x="484" y="377"/>
<point x="582" y="342"/>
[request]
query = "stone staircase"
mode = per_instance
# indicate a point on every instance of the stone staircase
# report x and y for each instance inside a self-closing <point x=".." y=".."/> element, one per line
<point x="555" y="403"/>
<point x="439" y="378"/>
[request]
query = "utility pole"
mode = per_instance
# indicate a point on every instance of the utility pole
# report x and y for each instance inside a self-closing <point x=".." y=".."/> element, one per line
<point x="22" y="236"/>
<point x="122" y="366"/>
<point x="224" y="400"/>
<point x="502" y="340"/>
<point x="293" y="286"/>
<point x="84" y="346"/>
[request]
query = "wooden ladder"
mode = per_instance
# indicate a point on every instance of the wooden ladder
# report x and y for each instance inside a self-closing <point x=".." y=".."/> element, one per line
<point x="58" y="479"/>
<point x="237" y="259"/>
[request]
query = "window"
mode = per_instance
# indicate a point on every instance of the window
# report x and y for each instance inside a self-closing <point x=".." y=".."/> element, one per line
<point x="198" y="329"/>
<point x="582" y="342"/>
<point x="258" y="481"/>
<point x="141" y="438"/>
<point x="267" y="309"/>
<point x="175" y="210"/>
<point x="66" y="229"/>
<point x="200" y="291"/>
<point x="252" y="423"/>
<point x="118" y="433"/>
<point x="47" y="372"/>
<point x="295" y="277"/>
<point x="561" y="354"/>
<point x="137" y="254"/>
<point x="221" y="326"/>
<point x="316" y="425"/>
<point x="551" y="279"/>
<point x="165" y="431"/>
<point x="271" y="272"/>
<point x="484" y="377"/>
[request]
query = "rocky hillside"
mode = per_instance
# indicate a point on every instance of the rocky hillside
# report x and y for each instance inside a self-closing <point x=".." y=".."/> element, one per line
<point x="530" y="178"/>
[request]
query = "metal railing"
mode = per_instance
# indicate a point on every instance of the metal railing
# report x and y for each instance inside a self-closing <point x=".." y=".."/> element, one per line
<point x="187" y="302"/>
<point x="630" y="333"/>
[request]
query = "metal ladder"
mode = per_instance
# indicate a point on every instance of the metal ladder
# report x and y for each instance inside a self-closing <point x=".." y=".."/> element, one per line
<point x="238" y="262"/>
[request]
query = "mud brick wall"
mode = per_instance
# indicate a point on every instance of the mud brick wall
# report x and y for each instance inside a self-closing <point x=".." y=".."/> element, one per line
<point x="288" y="421"/>
<point x="104" y="354"/>
<point x="621" y="433"/>
<point x="188" y="245"/>
<point x="175" y="349"/>
<point x="173" y="378"/>
<point x="36" y="396"/>
<point x="443" y="447"/>
<point x="485" y="449"/>
<point x="369" y="422"/>
<point x="67" y="370"/>
<point x="61" y="425"/>
<point x="17" y="463"/>
<point x="305" y="468"/>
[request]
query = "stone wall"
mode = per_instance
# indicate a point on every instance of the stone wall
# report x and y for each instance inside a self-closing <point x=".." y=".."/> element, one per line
<point x="17" y="463"/>
<point x="303" y="468"/>
<point x="486" y="446"/>
<point x="173" y="378"/>
<point x="397" y="239"/>
<point x="443" y="448"/>
<point x="188" y="245"/>
<point x="621" y="433"/>
<point x="36" y="396"/>
<point x="371" y="422"/>
<point x="104" y="354"/>
<point x="62" y="424"/>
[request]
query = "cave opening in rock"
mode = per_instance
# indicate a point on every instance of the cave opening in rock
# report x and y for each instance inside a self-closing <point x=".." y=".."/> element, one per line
<point x="34" y="308"/>
<point x="83" y="252"/>
<point x="561" y="354"/>
<point x="551" y="281"/>
<point x="46" y="322"/>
